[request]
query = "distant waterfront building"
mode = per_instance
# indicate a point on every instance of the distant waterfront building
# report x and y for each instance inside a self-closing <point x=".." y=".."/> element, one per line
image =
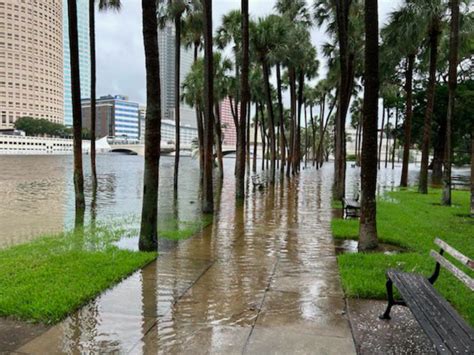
<point x="166" y="38"/>
<point x="168" y="130"/>
<point x="228" y="126"/>
<point x="84" y="56"/>
<point x="142" y="113"/>
<point x="116" y="117"/>
<point x="31" y="61"/>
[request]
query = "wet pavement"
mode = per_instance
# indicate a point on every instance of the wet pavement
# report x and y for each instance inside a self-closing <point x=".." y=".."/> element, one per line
<point x="262" y="279"/>
<point x="400" y="335"/>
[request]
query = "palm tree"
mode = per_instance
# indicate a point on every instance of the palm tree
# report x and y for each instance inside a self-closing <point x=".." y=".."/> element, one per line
<point x="265" y="30"/>
<point x="368" y="223"/>
<point x="77" y="113"/>
<point x="452" y="82"/>
<point x="245" y="99"/>
<point x="402" y="38"/>
<point x="149" y="221"/>
<point x="432" y="10"/>
<point x="103" y="5"/>
<point x="174" y="12"/>
<point x="207" y="193"/>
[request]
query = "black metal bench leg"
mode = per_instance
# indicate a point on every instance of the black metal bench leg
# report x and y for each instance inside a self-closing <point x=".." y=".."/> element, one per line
<point x="391" y="300"/>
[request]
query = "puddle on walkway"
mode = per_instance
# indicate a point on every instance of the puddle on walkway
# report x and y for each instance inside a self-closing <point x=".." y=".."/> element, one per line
<point x="263" y="277"/>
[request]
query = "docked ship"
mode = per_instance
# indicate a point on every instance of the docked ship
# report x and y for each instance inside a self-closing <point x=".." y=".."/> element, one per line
<point x="19" y="144"/>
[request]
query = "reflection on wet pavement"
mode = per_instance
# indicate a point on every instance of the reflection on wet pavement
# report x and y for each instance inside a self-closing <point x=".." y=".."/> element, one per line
<point x="263" y="278"/>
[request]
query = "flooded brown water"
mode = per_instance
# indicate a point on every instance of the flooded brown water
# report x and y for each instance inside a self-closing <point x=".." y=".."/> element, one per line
<point x="262" y="278"/>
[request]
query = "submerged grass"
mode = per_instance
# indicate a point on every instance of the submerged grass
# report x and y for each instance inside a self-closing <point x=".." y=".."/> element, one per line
<point x="52" y="276"/>
<point x="412" y="221"/>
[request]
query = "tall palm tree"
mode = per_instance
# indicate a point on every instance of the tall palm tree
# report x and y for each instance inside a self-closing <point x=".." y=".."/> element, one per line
<point x="103" y="5"/>
<point x="207" y="193"/>
<point x="77" y="113"/>
<point x="149" y="222"/>
<point x="432" y="10"/>
<point x="368" y="223"/>
<point x="452" y="82"/>
<point x="245" y="99"/>
<point x="402" y="38"/>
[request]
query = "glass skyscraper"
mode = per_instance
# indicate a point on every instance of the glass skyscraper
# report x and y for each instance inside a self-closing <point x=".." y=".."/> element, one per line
<point x="84" y="56"/>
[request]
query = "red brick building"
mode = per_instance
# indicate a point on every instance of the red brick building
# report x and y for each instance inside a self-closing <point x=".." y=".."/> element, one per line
<point x="228" y="127"/>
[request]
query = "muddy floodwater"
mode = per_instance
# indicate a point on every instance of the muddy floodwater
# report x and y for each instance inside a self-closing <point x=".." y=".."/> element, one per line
<point x="37" y="194"/>
<point x="262" y="277"/>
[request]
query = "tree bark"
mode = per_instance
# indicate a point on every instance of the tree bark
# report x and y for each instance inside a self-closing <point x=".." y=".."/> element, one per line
<point x="218" y="134"/>
<point x="282" y="121"/>
<point x="342" y="19"/>
<point x="255" y="137"/>
<point x="177" y="111"/>
<point x="207" y="195"/>
<point x="452" y="83"/>
<point x="368" y="221"/>
<point x="387" y="139"/>
<point x="395" y="137"/>
<point x="292" y="80"/>
<point x="408" y="119"/>
<point x="268" y="94"/>
<point x="245" y="97"/>
<point x="77" y="114"/>
<point x="93" y="91"/>
<point x="297" y="160"/>
<point x="381" y="135"/>
<point x="264" y="136"/>
<point x="425" y="151"/>
<point x="149" y="222"/>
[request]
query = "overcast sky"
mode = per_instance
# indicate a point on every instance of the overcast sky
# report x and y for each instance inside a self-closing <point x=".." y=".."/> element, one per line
<point x="120" y="54"/>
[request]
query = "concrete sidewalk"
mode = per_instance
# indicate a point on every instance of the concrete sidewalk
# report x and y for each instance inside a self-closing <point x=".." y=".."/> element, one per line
<point x="263" y="279"/>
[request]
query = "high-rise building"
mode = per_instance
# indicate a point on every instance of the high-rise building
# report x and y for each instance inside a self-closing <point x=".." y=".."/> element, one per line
<point x="31" y="60"/>
<point x="84" y="56"/>
<point x="166" y="39"/>
<point x="116" y="117"/>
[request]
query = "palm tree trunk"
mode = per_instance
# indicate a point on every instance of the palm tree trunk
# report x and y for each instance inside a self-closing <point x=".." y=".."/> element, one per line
<point x="342" y="19"/>
<point x="472" y="171"/>
<point x="149" y="221"/>
<point x="387" y="140"/>
<point x="244" y="99"/>
<point x="255" y="137"/>
<point x="200" y="128"/>
<point x="322" y="108"/>
<point x="77" y="114"/>
<point x="425" y="151"/>
<point x="323" y="133"/>
<point x="381" y="135"/>
<point x="217" y="127"/>
<point x="93" y="91"/>
<point x="395" y="137"/>
<point x="313" y="130"/>
<point x="292" y="79"/>
<point x="305" y="137"/>
<point x="282" y="120"/>
<point x="268" y="94"/>
<point x="177" y="111"/>
<point x="264" y="136"/>
<point x="361" y="127"/>
<point x="208" y="196"/>
<point x="368" y="222"/>
<point x="452" y="82"/>
<point x="297" y="160"/>
<point x="408" y="119"/>
<point x="247" y="153"/>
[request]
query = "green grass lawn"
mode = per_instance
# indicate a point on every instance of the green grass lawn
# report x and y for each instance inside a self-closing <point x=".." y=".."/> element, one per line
<point x="412" y="221"/>
<point x="50" y="277"/>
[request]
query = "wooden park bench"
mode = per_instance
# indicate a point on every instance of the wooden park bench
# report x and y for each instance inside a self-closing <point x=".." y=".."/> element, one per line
<point x="449" y="333"/>
<point x="351" y="207"/>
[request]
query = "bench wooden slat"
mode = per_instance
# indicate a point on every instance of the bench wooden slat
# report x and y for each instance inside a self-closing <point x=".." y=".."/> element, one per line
<point x="469" y="282"/>
<point x="456" y="254"/>
<point x="445" y="328"/>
